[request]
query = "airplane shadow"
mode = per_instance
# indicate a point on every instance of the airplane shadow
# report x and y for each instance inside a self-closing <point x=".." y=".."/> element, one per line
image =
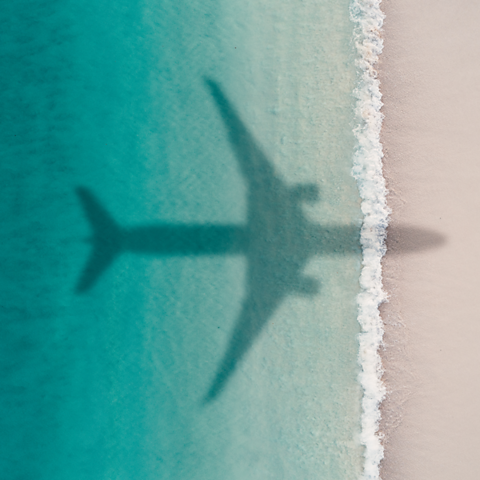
<point x="277" y="240"/>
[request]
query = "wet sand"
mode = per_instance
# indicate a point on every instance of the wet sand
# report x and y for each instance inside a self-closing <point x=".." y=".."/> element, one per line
<point x="430" y="76"/>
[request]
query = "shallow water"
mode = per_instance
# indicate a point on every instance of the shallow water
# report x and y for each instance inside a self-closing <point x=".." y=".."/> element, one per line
<point x="215" y="333"/>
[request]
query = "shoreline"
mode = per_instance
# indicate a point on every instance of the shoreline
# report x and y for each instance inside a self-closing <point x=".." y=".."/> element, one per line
<point x="429" y="78"/>
<point x="367" y="171"/>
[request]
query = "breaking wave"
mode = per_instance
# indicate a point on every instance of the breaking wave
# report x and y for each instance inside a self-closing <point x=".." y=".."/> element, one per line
<point x="367" y="170"/>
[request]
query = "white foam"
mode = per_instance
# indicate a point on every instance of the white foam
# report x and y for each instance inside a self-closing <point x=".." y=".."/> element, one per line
<point x="367" y="170"/>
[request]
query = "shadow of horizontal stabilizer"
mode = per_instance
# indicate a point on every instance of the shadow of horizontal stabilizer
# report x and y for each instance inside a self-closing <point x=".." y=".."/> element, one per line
<point x="106" y="240"/>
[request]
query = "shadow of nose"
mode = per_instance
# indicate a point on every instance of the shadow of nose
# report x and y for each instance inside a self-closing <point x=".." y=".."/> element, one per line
<point x="407" y="239"/>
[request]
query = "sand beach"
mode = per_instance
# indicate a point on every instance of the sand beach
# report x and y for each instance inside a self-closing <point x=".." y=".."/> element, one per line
<point x="430" y="80"/>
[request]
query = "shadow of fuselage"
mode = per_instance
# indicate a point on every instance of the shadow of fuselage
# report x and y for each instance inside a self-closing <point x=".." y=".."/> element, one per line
<point x="277" y="240"/>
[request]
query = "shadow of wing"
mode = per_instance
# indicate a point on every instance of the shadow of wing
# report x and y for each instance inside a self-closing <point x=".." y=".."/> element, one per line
<point x="254" y="164"/>
<point x="264" y="198"/>
<point x="256" y="310"/>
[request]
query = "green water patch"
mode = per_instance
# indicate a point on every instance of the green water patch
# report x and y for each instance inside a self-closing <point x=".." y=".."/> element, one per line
<point x="180" y="242"/>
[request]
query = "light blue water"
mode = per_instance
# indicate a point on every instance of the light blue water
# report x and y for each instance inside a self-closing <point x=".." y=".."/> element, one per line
<point x="232" y="355"/>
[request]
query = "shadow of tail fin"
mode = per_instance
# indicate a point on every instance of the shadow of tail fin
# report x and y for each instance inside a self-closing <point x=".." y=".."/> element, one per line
<point x="106" y="240"/>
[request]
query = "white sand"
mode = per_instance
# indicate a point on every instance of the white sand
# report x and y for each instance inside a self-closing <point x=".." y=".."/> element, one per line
<point x="430" y="75"/>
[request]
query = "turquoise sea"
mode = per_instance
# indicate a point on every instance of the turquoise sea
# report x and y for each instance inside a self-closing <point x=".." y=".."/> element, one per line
<point x="202" y="151"/>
